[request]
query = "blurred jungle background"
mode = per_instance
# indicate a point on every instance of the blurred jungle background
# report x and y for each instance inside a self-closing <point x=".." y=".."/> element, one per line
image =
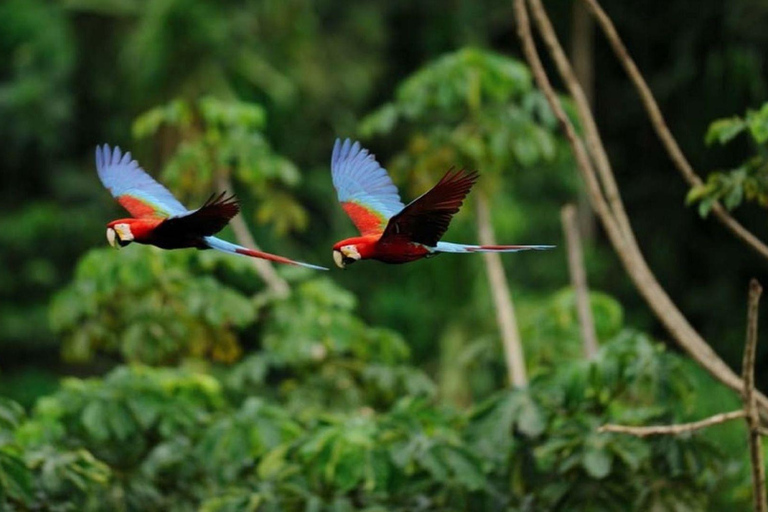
<point x="142" y="379"/>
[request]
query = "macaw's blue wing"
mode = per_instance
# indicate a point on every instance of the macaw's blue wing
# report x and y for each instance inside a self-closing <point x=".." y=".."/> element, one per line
<point x="364" y="188"/>
<point x="133" y="188"/>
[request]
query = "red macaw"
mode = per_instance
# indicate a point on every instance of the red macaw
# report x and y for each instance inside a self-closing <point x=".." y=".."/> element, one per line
<point x="159" y="219"/>
<point x="391" y="232"/>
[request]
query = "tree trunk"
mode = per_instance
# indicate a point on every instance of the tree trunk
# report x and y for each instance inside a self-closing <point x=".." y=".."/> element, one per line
<point x="502" y="299"/>
<point x="579" y="280"/>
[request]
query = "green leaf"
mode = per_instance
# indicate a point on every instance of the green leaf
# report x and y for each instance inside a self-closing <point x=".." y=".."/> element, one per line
<point x="120" y="421"/>
<point x="633" y="452"/>
<point x="734" y="197"/>
<point x="529" y="419"/>
<point x="379" y="122"/>
<point x="464" y="468"/>
<point x="697" y="193"/>
<point x="15" y="478"/>
<point x="597" y="461"/>
<point x="705" y="206"/>
<point x="273" y="462"/>
<point x="434" y="465"/>
<point x="724" y="130"/>
<point x="94" y="419"/>
<point x="758" y="124"/>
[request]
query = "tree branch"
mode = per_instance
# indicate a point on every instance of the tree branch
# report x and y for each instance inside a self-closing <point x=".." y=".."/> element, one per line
<point x="750" y="405"/>
<point x="662" y="130"/>
<point x="608" y="205"/>
<point x="264" y="268"/>
<point x="658" y="430"/>
<point x="594" y="143"/>
<point x="502" y="298"/>
<point x="579" y="280"/>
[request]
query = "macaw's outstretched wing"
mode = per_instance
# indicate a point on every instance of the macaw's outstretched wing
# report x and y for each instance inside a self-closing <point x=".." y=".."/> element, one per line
<point x="207" y="220"/>
<point x="133" y="188"/>
<point x="364" y="188"/>
<point x="426" y="218"/>
<point x="224" y="246"/>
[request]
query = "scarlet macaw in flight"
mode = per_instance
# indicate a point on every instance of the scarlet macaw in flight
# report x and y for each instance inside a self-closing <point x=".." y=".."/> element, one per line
<point x="391" y="232"/>
<point x="159" y="219"/>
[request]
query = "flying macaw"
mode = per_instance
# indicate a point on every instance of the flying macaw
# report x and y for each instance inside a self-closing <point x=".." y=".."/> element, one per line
<point x="159" y="219"/>
<point x="391" y="232"/>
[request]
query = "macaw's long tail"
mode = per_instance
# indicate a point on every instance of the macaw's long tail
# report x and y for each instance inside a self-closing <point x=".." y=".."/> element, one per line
<point x="224" y="246"/>
<point x="463" y="249"/>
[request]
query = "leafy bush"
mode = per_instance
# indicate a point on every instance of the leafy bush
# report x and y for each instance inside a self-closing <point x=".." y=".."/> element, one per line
<point x="152" y="306"/>
<point x="177" y="439"/>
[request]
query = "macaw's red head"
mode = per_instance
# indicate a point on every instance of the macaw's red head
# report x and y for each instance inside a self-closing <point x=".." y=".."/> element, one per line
<point x="119" y="233"/>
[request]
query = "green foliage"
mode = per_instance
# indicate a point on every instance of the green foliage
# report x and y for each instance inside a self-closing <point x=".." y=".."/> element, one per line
<point x="36" y="474"/>
<point x="559" y="461"/>
<point x="156" y="307"/>
<point x="317" y="356"/>
<point x="320" y="410"/>
<point x="29" y="275"/>
<point x="151" y="306"/>
<point x="175" y="439"/>
<point x="472" y="108"/>
<point x="747" y="181"/>
<point x="550" y="327"/>
<point x="36" y="71"/>
<point x="221" y="142"/>
<point x="15" y="477"/>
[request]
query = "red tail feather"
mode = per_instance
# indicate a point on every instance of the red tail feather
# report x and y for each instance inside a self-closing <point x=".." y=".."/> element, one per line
<point x="266" y="256"/>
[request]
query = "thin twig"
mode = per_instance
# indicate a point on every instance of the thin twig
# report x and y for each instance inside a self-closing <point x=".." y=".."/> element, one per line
<point x="662" y="130"/>
<point x="658" y="430"/>
<point x="579" y="280"/>
<point x="750" y="405"/>
<point x="612" y="217"/>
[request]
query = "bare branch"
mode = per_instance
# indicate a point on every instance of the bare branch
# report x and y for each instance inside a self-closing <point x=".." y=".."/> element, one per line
<point x="659" y="430"/>
<point x="264" y="268"/>
<point x="502" y="299"/>
<point x="750" y="405"/>
<point x="662" y="130"/>
<point x="608" y="206"/>
<point x="579" y="280"/>
<point x="594" y="143"/>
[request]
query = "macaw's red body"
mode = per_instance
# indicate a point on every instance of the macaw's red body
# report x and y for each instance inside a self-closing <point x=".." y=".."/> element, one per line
<point x="391" y="232"/>
<point x="372" y="247"/>
<point x="159" y="219"/>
